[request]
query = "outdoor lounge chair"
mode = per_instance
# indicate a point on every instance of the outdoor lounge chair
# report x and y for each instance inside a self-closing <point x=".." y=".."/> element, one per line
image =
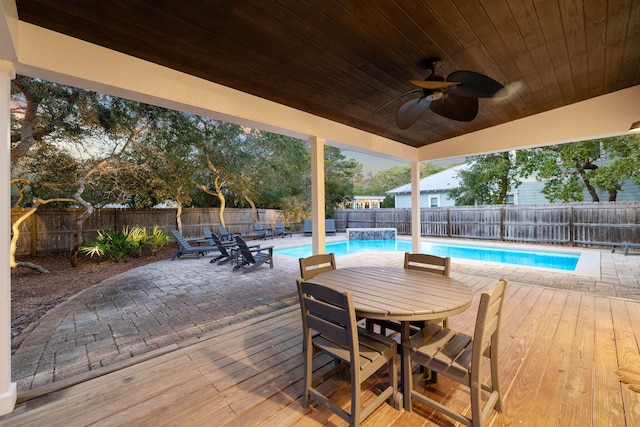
<point x="280" y="231"/>
<point x="228" y="250"/>
<point x="254" y="257"/>
<point x="460" y="357"/>
<point x="308" y="227"/>
<point x="330" y="327"/>
<point x="330" y="226"/>
<point x="261" y="232"/>
<point x="225" y="236"/>
<point x="185" y="248"/>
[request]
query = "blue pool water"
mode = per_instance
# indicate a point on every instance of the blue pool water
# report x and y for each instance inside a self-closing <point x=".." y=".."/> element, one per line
<point x="557" y="260"/>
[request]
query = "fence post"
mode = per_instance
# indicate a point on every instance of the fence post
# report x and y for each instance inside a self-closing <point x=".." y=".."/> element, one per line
<point x="501" y="216"/>
<point x="571" y="243"/>
<point x="448" y="217"/>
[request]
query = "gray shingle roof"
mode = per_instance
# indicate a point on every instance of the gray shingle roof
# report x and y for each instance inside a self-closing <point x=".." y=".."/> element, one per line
<point x="445" y="180"/>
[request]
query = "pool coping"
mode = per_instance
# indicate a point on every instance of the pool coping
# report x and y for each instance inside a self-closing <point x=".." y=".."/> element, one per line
<point x="588" y="264"/>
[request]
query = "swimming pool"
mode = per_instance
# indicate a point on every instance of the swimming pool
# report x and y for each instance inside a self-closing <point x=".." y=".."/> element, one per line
<point x="530" y="258"/>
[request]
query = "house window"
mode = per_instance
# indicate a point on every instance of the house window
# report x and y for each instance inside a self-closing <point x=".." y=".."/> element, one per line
<point x="434" y="201"/>
<point x="512" y="199"/>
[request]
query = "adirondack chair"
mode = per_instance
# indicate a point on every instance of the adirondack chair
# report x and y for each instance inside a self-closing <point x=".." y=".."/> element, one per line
<point x="225" y="236"/>
<point x="185" y="248"/>
<point x="261" y="232"/>
<point x="330" y="226"/>
<point x="228" y="250"/>
<point x="280" y="231"/>
<point x="253" y="257"/>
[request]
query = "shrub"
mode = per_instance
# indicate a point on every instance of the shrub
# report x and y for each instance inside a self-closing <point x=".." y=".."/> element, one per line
<point x="120" y="246"/>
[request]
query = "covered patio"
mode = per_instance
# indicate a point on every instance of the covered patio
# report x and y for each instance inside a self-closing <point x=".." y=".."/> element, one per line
<point x="559" y="352"/>
<point x="318" y="72"/>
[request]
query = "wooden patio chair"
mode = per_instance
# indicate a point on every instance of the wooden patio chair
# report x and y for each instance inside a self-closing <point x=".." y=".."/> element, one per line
<point x="254" y="257"/>
<point x="280" y="230"/>
<point x="421" y="262"/>
<point x="310" y="267"/>
<point x="184" y="247"/>
<point x="429" y="263"/>
<point x="262" y="233"/>
<point x="332" y="315"/>
<point x="459" y="357"/>
<point x="313" y="265"/>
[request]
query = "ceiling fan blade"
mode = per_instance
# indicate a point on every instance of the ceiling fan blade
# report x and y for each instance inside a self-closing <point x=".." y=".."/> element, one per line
<point x="411" y="111"/>
<point x="475" y="85"/>
<point x="460" y="108"/>
<point x="396" y="98"/>
<point x="432" y="84"/>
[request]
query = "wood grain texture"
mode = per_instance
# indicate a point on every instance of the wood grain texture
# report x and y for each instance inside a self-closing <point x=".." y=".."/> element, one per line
<point x="558" y="353"/>
<point x="341" y="60"/>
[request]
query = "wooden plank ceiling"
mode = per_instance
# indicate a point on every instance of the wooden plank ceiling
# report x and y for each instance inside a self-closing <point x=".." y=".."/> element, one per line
<point x="342" y="59"/>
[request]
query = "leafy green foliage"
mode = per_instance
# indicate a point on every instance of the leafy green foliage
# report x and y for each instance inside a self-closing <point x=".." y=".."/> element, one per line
<point x="489" y="179"/>
<point x="129" y="242"/>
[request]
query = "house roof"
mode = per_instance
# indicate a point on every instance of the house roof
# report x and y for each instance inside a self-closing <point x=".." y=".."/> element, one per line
<point x="341" y="61"/>
<point x="441" y="181"/>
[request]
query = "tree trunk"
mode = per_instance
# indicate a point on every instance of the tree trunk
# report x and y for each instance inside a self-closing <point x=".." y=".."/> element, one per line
<point x="613" y="195"/>
<point x="587" y="183"/>
<point x="254" y="211"/>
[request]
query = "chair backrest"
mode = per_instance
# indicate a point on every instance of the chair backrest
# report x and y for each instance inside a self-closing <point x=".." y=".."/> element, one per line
<point x="311" y="266"/>
<point x="430" y="263"/>
<point x="208" y="235"/>
<point x="218" y="243"/>
<point x="279" y="226"/>
<point x="308" y="226"/>
<point x="224" y="233"/>
<point x="244" y="249"/>
<point x="332" y="314"/>
<point x="330" y="225"/>
<point x="180" y="239"/>
<point x="486" y="333"/>
<point x="259" y="229"/>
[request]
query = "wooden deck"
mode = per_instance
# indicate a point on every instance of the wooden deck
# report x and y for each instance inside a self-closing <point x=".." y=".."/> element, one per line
<point x="558" y="356"/>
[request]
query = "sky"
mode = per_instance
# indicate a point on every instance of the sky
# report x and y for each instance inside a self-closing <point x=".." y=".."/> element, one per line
<point x="375" y="164"/>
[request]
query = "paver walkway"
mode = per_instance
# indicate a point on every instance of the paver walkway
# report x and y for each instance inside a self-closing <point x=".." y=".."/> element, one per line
<point x="169" y="304"/>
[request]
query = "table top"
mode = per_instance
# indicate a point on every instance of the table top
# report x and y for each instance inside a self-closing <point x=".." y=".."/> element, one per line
<point x="398" y="293"/>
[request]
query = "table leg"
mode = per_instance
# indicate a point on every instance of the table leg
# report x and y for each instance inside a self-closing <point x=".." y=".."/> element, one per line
<point x="405" y="366"/>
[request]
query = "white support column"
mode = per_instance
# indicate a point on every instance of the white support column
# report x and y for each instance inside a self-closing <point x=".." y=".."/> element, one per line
<point x="415" y="206"/>
<point x="317" y="194"/>
<point x="8" y="390"/>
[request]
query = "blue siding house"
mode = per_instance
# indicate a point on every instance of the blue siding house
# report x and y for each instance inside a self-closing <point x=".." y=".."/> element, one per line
<point x="434" y="191"/>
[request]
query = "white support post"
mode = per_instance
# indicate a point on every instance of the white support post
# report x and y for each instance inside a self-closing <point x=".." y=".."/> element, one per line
<point x="317" y="194"/>
<point x="415" y="206"/>
<point x="8" y="390"/>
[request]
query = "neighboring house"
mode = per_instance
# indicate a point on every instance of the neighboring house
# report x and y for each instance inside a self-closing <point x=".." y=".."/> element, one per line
<point x="434" y="191"/>
<point x="366" y="202"/>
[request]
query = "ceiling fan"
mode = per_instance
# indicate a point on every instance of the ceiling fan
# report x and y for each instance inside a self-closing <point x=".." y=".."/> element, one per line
<point x="455" y="97"/>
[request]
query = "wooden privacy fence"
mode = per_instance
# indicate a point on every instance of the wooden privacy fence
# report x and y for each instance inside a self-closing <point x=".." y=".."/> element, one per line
<point x="587" y="224"/>
<point x="51" y="230"/>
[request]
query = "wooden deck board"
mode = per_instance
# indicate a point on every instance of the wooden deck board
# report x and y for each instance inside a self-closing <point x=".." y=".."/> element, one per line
<point x="558" y="356"/>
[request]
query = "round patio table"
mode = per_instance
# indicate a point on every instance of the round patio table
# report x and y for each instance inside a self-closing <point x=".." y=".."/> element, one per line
<point x="399" y="294"/>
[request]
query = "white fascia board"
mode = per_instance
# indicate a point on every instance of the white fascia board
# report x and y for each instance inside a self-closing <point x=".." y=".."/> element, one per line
<point x="599" y="117"/>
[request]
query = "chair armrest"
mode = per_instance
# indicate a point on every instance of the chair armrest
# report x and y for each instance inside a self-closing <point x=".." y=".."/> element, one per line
<point x="258" y="249"/>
